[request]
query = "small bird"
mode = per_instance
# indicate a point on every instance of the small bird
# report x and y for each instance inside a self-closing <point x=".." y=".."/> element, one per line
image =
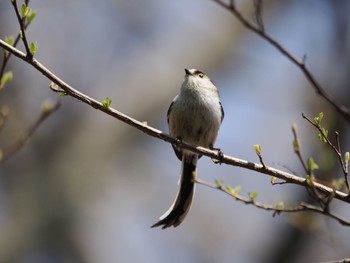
<point x="194" y="116"/>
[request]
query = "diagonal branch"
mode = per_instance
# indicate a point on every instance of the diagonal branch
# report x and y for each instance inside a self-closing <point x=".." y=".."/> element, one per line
<point x="260" y="30"/>
<point x="288" y="177"/>
<point x="47" y="110"/>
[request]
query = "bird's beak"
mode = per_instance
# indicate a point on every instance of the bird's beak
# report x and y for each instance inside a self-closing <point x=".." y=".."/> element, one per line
<point x="188" y="72"/>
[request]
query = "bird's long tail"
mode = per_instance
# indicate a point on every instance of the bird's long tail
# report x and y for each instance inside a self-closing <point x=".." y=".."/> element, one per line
<point x="179" y="209"/>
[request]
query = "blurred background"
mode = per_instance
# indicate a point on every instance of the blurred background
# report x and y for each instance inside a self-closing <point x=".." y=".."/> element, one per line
<point x="87" y="187"/>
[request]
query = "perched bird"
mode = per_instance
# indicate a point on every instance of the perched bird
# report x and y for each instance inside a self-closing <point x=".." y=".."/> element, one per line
<point x="194" y="116"/>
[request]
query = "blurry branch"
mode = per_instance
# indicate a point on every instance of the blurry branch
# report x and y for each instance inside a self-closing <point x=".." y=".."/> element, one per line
<point x="142" y="126"/>
<point x="25" y="18"/>
<point x="344" y="260"/>
<point x="258" y="6"/>
<point x="48" y="107"/>
<point x="277" y="209"/>
<point x="260" y="30"/>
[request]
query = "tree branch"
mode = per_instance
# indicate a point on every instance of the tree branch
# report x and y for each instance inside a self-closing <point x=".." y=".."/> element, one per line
<point x="229" y="160"/>
<point x="22" y="26"/>
<point x="336" y="149"/>
<point x="277" y="209"/>
<point x="47" y="109"/>
<point x="260" y="30"/>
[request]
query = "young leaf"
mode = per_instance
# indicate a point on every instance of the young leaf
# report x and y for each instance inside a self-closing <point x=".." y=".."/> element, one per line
<point x="107" y="103"/>
<point x="273" y="180"/>
<point x="6" y="78"/>
<point x="236" y="190"/>
<point x="24" y="10"/>
<point x="218" y="183"/>
<point x="312" y="165"/>
<point x="338" y="184"/>
<point x="280" y="205"/>
<point x="33" y="48"/>
<point x="346" y="157"/>
<point x="309" y="179"/>
<point x="319" y="118"/>
<point x="31" y="16"/>
<point x="322" y="136"/>
<point x="229" y="189"/>
<point x="9" y="40"/>
<point x="257" y="148"/>
<point x="253" y="195"/>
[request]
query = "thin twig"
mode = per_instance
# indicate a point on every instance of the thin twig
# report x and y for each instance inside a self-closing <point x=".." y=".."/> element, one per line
<point x="341" y="109"/>
<point x="142" y="126"/>
<point x="23" y="31"/>
<point x="258" y="6"/>
<point x="7" y="55"/>
<point x="276" y="209"/>
<point x="296" y="146"/>
<point x="23" y="138"/>
<point x="336" y="149"/>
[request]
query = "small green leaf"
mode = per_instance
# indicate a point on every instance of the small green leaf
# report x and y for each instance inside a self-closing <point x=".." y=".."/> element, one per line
<point x="31" y="16"/>
<point x="338" y="184"/>
<point x="24" y="10"/>
<point x="253" y="195"/>
<point x="107" y="103"/>
<point x="1" y="154"/>
<point x="323" y="137"/>
<point x="218" y="183"/>
<point x="346" y="157"/>
<point x="257" y="148"/>
<point x="233" y="191"/>
<point x="280" y="206"/>
<point x="309" y="180"/>
<point x="312" y="165"/>
<point x="9" y="40"/>
<point x="229" y="189"/>
<point x="236" y="190"/>
<point x="6" y="78"/>
<point x="319" y="118"/>
<point x="273" y="179"/>
<point x="33" y="48"/>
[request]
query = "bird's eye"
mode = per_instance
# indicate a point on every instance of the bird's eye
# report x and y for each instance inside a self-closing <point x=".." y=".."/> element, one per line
<point x="201" y="75"/>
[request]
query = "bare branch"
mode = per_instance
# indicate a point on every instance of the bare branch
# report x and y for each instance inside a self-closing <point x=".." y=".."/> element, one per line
<point x="296" y="146"/>
<point x="46" y="111"/>
<point x="258" y="6"/>
<point x="341" y="109"/>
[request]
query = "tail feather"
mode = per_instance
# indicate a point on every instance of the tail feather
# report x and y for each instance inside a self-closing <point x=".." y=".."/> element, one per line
<point x="178" y="211"/>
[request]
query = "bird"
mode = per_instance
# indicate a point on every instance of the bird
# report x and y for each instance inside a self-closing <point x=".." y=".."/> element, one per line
<point x="194" y="116"/>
